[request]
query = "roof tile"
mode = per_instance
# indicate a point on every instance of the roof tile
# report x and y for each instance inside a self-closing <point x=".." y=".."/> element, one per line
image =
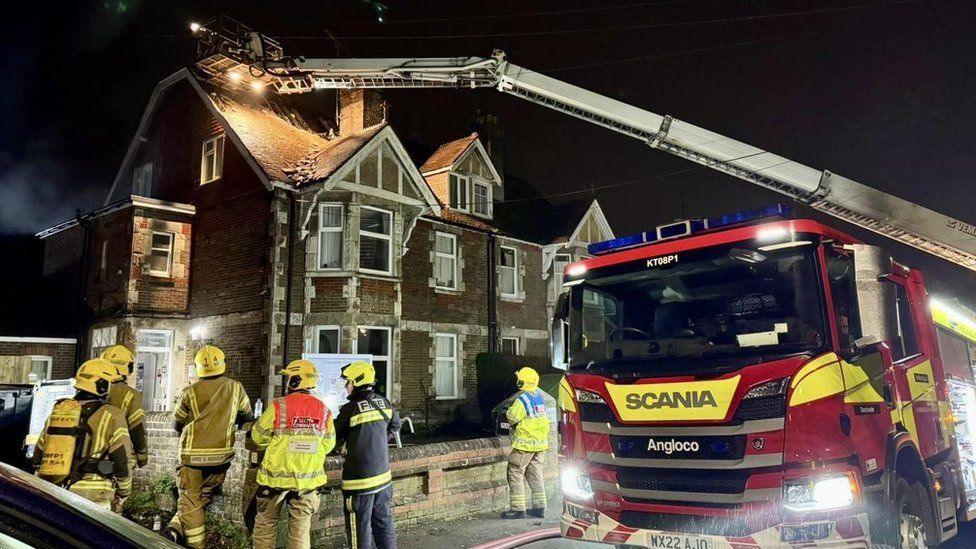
<point x="448" y="153"/>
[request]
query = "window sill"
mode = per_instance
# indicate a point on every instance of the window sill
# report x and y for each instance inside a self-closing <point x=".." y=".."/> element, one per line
<point x="446" y="291"/>
<point x="449" y="398"/>
<point x="511" y="298"/>
<point x="160" y="280"/>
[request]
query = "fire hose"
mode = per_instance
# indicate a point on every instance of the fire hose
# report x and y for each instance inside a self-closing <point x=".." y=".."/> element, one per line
<point x="519" y="540"/>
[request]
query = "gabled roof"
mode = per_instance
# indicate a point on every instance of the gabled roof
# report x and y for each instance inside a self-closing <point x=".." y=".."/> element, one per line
<point x="325" y="160"/>
<point x="447" y="154"/>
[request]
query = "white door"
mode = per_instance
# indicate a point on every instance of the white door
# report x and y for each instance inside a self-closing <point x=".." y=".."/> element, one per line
<point x="153" y="354"/>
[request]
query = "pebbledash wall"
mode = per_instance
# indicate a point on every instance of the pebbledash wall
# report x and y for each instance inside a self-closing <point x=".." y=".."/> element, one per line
<point x="432" y="482"/>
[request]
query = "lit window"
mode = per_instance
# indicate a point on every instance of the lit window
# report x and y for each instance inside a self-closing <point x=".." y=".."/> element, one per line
<point x="508" y="272"/>
<point x="327" y="339"/>
<point x="330" y="236"/>
<point x="103" y="263"/>
<point x="161" y="254"/>
<point x="459" y="192"/>
<point x="445" y="261"/>
<point x="482" y="199"/>
<point x="510" y="345"/>
<point x="40" y="369"/>
<point x="445" y="366"/>
<point x="212" y="163"/>
<point x="142" y="180"/>
<point x="153" y="368"/>
<point x="101" y="339"/>
<point x="375" y="240"/>
<point x="375" y="341"/>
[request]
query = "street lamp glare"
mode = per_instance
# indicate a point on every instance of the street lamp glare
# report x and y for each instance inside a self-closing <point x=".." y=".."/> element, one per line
<point x="194" y="26"/>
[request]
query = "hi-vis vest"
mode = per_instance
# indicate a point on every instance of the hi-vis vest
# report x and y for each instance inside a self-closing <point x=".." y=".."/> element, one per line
<point x="209" y="410"/>
<point x="298" y="433"/>
<point x="530" y="421"/>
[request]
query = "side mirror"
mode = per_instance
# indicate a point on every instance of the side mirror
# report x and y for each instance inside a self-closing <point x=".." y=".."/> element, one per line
<point x="559" y="333"/>
<point x="875" y="296"/>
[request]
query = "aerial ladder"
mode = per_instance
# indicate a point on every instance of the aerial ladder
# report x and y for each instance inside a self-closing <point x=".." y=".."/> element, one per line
<point x="232" y="56"/>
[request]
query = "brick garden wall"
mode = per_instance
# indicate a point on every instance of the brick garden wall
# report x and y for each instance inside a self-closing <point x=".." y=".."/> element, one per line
<point x="62" y="355"/>
<point x="432" y="482"/>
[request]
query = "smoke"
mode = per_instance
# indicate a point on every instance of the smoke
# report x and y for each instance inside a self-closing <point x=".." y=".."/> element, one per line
<point x="38" y="191"/>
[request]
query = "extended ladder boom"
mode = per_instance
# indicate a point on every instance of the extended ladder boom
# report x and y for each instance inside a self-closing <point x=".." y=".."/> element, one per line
<point x="260" y="58"/>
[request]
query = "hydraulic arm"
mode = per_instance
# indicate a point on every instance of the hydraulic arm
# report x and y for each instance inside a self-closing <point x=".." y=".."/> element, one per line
<point x="227" y="47"/>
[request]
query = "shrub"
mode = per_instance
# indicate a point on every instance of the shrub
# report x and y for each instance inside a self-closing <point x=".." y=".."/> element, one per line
<point x="224" y="534"/>
<point x="496" y="378"/>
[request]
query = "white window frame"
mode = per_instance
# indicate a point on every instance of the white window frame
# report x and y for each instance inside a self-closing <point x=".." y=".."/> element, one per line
<point x="218" y="152"/>
<point x="316" y="332"/>
<point x="464" y="182"/>
<point x="340" y="229"/>
<point x="169" y="254"/>
<point x="387" y="237"/>
<point x="475" y="183"/>
<point x="453" y="257"/>
<point x="454" y="363"/>
<point x="142" y="180"/>
<point x="100" y="335"/>
<point x="43" y="358"/>
<point x="514" y="268"/>
<point x="511" y="338"/>
<point x="103" y="263"/>
<point x="389" y="349"/>
<point x="170" y="367"/>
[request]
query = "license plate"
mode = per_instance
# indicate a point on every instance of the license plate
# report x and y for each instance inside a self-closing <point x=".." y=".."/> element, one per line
<point x="677" y="541"/>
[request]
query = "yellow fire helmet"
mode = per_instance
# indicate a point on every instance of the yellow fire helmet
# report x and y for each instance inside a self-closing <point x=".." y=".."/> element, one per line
<point x="210" y="361"/>
<point x="121" y="357"/>
<point x="301" y="374"/>
<point x="527" y="378"/>
<point x="95" y="375"/>
<point x="360" y="373"/>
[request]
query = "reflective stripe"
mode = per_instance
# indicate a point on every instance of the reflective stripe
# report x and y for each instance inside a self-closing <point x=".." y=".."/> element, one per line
<point x="117" y="436"/>
<point x="365" y="417"/>
<point x="136" y="415"/>
<point x="231" y="424"/>
<point x="207" y="451"/>
<point x="352" y="523"/>
<point x="364" y="483"/>
<point x="290" y="474"/>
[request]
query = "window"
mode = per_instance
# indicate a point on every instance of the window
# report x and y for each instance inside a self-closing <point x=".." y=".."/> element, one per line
<point x="906" y="344"/>
<point x="101" y="339"/>
<point x="154" y="350"/>
<point x="212" y="163"/>
<point x="840" y="273"/>
<point x="375" y="341"/>
<point x="510" y="345"/>
<point x="330" y="236"/>
<point x="142" y="180"/>
<point x="445" y="261"/>
<point x="445" y="366"/>
<point x="40" y="369"/>
<point x="558" y="266"/>
<point x="161" y="254"/>
<point x="326" y="339"/>
<point x="375" y="240"/>
<point x="482" y="199"/>
<point x="508" y="270"/>
<point x="459" y="192"/>
<point x="103" y="262"/>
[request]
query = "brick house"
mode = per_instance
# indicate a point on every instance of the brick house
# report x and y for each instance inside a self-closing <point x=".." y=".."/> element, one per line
<point x="245" y="221"/>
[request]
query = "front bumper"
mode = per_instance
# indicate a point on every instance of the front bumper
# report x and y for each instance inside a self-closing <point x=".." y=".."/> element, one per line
<point x="848" y="532"/>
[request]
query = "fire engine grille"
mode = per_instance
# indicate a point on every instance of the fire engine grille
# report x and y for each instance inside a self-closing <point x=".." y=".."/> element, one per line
<point x="678" y="480"/>
<point x="686" y="524"/>
<point x="598" y="413"/>
<point x="761" y="408"/>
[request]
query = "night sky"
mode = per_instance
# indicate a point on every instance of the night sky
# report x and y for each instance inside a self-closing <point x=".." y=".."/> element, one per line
<point x="881" y="91"/>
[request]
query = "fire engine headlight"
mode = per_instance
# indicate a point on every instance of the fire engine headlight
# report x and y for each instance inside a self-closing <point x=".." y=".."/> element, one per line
<point x="820" y="494"/>
<point x="770" y="388"/>
<point x="586" y="396"/>
<point x="576" y="483"/>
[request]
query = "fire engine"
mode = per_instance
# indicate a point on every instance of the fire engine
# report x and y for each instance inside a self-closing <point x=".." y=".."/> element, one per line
<point x="738" y="381"/>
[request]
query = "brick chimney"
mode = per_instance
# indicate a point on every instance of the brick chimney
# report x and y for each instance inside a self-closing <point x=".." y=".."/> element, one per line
<point x="358" y="110"/>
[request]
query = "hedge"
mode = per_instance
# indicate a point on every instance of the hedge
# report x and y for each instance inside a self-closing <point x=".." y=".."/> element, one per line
<point x="496" y="378"/>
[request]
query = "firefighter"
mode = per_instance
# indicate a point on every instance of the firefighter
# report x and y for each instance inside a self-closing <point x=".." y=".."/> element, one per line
<point x="296" y="434"/>
<point x="128" y="400"/>
<point x="205" y="416"/>
<point x="365" y="425"/>
<point x="530" y="423"/>
<point x="85" y="445"/>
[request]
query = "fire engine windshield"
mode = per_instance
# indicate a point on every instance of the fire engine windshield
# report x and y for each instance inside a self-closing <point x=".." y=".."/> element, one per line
<point x="718" y="302"/>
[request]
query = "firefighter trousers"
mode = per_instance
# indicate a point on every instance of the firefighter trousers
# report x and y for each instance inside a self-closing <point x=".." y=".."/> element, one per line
<point x="197" y="488"/>
<point x="98" y="490"/>
<point x="369" y="519"/>
<point x="526" y="467"/>
<point x="301" y="508"/>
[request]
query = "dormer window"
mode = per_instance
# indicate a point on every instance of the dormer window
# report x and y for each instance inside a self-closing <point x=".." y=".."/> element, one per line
<point x="482" y="198"/>
<point x="459" y="192"/>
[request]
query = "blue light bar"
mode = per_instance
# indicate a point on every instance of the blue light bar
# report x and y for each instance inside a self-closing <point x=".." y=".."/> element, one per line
<point x="688" y="227"/>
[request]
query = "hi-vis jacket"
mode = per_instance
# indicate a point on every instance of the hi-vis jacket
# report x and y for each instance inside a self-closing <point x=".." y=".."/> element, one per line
<point x="297" y="432"/>
<point x="531" y="424"/>
<point x="207" y="413"/>
<point x="365" y="425"/>
<point x="129" y="400"/>
<point x="70" y="448"/>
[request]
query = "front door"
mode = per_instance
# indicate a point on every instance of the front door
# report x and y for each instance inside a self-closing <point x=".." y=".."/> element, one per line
<point x="153" y="356"/>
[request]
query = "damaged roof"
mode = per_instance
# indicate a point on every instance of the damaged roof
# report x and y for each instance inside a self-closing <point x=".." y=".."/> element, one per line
<point x="326" y="159"/>
<point x="447" y="154"/>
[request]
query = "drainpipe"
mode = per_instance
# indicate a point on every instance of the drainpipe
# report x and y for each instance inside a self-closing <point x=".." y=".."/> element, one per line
<point x="288" y="282"/>
<point x="492" y="306"/>
<point x="85" y="223"/>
